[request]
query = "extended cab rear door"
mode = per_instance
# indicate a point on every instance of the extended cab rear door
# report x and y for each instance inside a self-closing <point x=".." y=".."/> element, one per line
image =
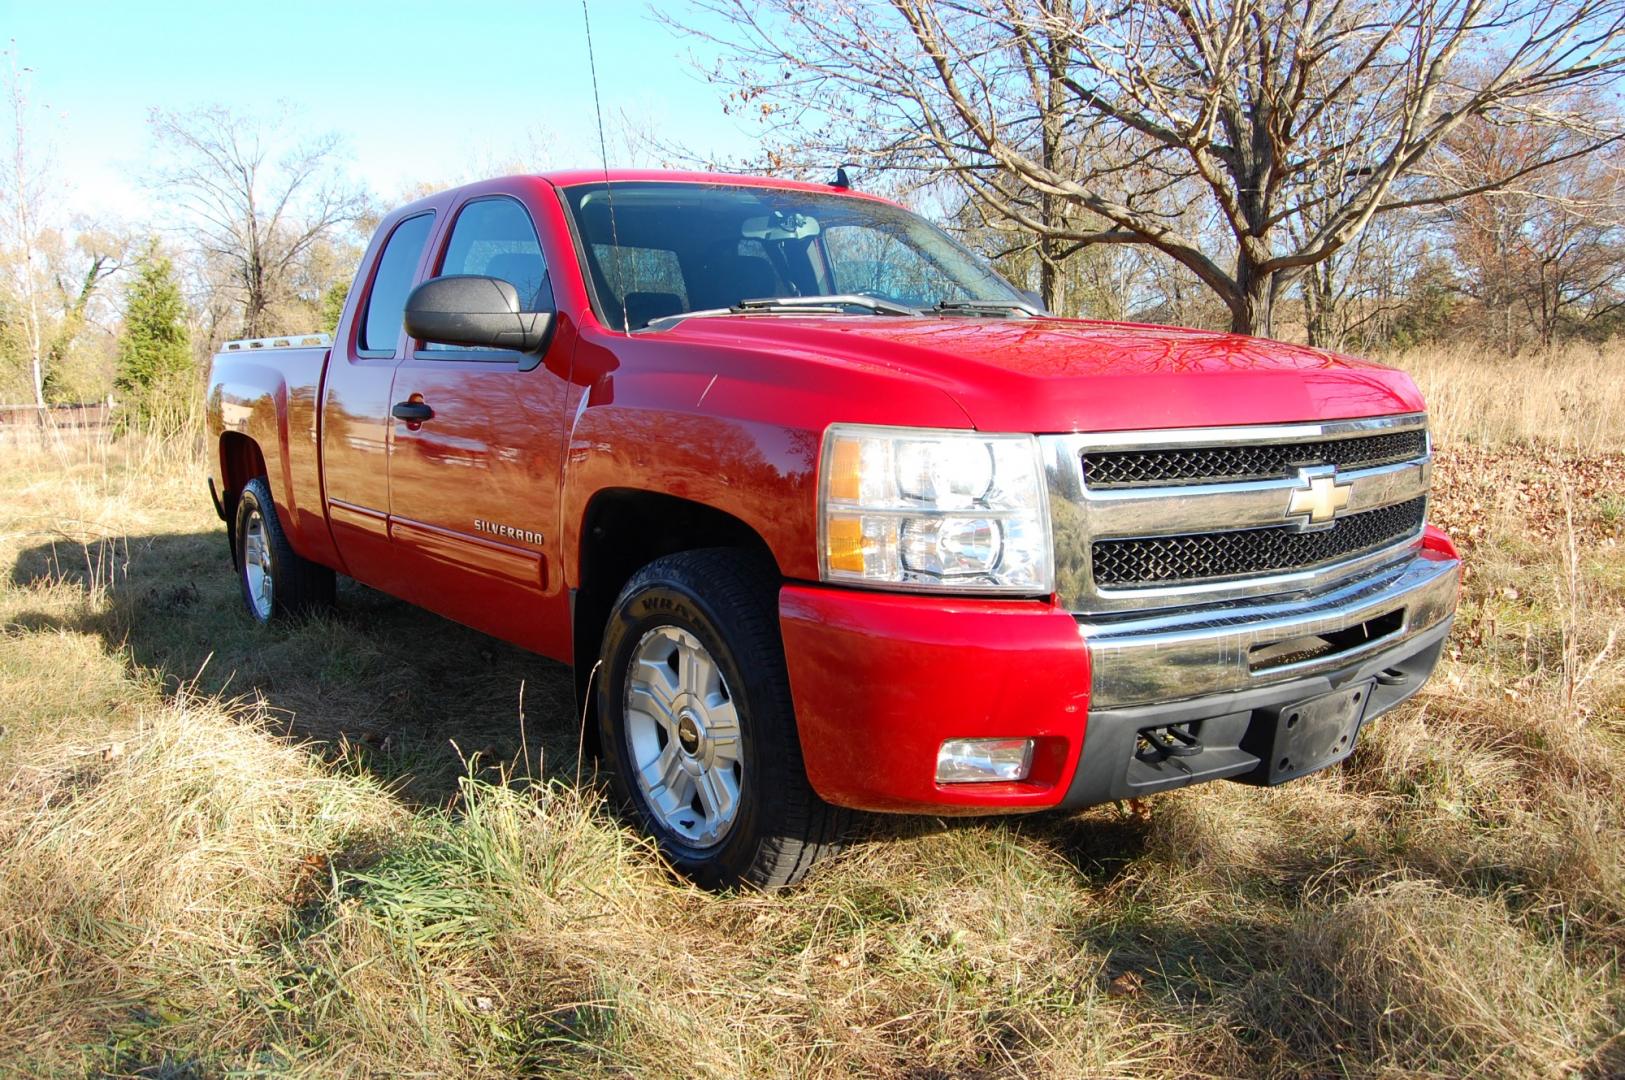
<point x="356" y="423"/>
<point x="474" y="489"/>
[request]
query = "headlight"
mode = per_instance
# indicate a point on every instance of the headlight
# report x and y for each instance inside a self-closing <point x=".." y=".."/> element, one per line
<point x="917" y="508"/>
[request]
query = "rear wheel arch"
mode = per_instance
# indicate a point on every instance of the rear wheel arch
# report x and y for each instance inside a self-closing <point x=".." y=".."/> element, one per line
<point x="241" y="461"/>
<point x="276" y="581"/>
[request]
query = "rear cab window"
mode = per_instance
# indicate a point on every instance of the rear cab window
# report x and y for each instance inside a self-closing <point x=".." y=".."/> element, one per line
<point x="381" y="325"/>
<point x="647" y="281"/>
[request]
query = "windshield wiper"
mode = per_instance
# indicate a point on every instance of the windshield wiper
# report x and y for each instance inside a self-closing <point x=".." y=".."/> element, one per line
<point x="987" y="307"/>
<point x="838" y="304"/>
<point x="835" y="302"/>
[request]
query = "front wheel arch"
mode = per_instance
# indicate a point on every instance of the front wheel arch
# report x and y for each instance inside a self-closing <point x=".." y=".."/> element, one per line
<point x="725" y="599"/>
<point x="624" y="530"/>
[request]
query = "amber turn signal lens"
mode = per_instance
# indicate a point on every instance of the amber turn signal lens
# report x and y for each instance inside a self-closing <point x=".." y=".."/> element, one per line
<point x="845" y="470"/>
<point x="843" y="540"/>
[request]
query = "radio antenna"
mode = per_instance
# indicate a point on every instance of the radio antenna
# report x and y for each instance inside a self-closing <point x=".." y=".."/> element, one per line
<point x="603" y="156"/>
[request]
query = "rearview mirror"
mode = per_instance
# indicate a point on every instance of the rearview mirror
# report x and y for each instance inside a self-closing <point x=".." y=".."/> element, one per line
<point x="479" y="312"/>
<point x="779" y="226"/>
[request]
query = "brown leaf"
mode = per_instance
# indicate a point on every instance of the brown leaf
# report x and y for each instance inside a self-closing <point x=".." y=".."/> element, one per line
<point x="1128" y="984"/>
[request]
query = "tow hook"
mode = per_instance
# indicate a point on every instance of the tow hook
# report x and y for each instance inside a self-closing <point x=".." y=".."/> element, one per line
<point x="1173" y="740"/>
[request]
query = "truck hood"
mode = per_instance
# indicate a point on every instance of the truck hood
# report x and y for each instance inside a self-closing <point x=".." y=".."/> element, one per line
<point x="1063" y="375"/>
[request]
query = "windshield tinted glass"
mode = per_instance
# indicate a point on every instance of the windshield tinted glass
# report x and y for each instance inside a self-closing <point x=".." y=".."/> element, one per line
<point x="676" y="247"/>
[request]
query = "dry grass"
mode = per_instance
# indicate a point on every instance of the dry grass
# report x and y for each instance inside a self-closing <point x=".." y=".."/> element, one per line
<point x="332" y="849"/>
<point x="1573" y="397"/>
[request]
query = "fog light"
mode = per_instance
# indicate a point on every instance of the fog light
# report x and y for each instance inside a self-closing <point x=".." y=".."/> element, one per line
<point x="970" y="761"/>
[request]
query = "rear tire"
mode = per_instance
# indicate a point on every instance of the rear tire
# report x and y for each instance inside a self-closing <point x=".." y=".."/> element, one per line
<point x="697" y="725"/>
<point x="277" y="583"/>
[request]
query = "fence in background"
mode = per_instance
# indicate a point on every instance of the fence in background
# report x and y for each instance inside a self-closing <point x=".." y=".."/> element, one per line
<point x="87" y="417"/>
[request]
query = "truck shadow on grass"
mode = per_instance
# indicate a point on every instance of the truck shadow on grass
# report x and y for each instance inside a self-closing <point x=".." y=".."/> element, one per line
<point x="412" y="695"/>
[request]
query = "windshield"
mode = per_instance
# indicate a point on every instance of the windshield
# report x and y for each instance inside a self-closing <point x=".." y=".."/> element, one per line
<point x="680" y="247"/>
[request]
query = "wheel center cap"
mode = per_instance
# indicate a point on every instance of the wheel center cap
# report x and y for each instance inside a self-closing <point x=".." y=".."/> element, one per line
<point x="689" y="734"/>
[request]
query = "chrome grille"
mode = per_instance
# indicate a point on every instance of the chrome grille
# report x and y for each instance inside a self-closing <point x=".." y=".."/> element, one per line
<point x="1278" y="549"/>
<point x="1221" y="464"/>
<point x="1158" y="519"/>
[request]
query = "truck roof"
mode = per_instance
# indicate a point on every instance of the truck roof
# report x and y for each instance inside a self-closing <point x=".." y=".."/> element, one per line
<point x="575" y="177"/>
<point x="564" y="178"/>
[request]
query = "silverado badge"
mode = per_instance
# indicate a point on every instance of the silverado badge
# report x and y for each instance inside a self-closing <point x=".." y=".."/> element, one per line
<point x="1319" y="498"/>
<point x="508" y="532"/>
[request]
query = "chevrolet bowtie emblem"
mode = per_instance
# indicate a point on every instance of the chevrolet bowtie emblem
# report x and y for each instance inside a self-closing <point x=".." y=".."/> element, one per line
<point x="1319" y="498"/>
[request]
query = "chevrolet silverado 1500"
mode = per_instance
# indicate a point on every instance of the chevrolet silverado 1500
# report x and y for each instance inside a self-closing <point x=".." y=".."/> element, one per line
<point x="828" y="516"/>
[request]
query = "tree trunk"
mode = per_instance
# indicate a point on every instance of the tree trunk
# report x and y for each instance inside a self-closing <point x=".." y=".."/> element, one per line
<point x="1252" y="306"/>
<point x="36" y="343"/>
<point x="1548" y="308"/>
<point x="1320" y="307"/>
<point x="1050" y="282"/>
<point x="39" y="384"/>
<point x="1314" y="314"/>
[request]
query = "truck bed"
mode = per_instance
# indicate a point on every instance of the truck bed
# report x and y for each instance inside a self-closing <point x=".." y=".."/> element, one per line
<point x="270" y="394"/>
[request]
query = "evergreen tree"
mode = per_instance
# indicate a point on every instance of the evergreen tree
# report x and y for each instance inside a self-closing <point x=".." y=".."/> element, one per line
<point x="333" y="305"/>
<point x="155" y="367"/>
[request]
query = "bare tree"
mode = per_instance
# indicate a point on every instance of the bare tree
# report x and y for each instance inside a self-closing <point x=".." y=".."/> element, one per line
<point x="26" y="187"/>
<point x="49" y="275"/>
<point x="1548" y="249"/>
<point x="78" y="279"/>
<point x="1072" y="122"/>
<point x="1103" y="281"/>
<point x="252" y="202"/>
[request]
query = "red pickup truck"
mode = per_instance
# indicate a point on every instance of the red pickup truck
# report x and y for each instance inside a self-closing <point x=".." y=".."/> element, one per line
<point x="828" y="516"/>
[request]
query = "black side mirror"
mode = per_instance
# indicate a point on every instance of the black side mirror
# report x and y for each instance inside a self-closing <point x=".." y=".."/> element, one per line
<point x="479" y="312"/>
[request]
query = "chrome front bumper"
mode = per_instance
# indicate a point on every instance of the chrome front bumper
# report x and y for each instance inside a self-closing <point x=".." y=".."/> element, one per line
<point x="1170" y="656"/>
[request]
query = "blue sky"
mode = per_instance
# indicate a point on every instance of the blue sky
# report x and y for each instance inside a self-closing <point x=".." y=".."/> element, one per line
<point x="419" y="91"/>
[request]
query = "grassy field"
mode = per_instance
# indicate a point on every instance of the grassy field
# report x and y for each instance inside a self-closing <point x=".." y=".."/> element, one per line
<point x="366" y="846"/>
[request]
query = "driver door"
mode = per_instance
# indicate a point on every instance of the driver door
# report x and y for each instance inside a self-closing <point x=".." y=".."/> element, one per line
<point x="474" y="488"/>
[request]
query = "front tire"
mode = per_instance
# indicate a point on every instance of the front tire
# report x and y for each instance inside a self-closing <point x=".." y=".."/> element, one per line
<point x="277" y="583"/>
<point x="696" y="722"/>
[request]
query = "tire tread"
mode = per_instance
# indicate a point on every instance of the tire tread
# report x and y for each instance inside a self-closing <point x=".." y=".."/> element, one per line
<point x="744" y="588"/>
<point x="302" y="586"/>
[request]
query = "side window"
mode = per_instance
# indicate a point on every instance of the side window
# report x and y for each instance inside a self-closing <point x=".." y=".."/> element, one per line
<point x="381" y="329"/>
<point x="494" y="238"/>
<point x="870" y="260"/>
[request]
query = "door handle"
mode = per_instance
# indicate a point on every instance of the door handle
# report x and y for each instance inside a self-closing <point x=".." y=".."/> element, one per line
<point x="413" y="412"/>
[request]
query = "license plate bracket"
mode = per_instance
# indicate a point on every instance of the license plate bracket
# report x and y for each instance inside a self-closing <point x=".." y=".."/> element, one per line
<point x="1308" y="735"/>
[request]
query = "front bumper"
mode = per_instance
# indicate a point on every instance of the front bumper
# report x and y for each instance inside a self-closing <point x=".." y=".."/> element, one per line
<point x="1171" y="656"/>
<point x="881" y="679"/>
<point x="1243" y="734"/>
